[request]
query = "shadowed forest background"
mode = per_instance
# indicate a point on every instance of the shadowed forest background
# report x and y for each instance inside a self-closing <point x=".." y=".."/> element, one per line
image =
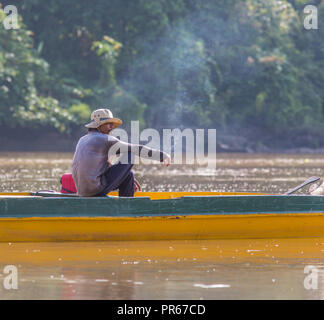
<point x="248" y="68"/>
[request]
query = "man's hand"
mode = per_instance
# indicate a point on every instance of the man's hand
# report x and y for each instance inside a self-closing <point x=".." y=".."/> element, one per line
<point x="167" y="160"/>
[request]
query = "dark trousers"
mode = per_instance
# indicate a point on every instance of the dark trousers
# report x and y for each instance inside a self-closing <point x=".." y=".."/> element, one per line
<point x="119" y="176"/>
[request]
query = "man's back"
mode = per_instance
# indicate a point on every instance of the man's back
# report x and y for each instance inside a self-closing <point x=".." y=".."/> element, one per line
<point x="90" y="161"/>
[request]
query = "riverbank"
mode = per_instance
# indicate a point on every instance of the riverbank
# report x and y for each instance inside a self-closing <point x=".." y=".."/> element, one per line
<point x="30" y="140"/>
<point x="253" y="141"/>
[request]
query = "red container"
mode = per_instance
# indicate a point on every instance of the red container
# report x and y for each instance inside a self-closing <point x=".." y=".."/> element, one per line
<point x="68" y="185"/>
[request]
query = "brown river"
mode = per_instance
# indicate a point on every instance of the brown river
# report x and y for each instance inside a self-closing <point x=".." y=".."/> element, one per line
<point x="206" y="269"/>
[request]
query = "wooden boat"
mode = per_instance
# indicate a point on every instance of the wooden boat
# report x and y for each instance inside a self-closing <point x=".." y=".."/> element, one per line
<point x="47" y="216"/>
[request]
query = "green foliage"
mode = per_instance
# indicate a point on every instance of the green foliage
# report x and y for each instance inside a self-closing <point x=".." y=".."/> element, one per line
<point x="22" y="102"/>
<point x="225" y="64"/>
<point x="81" y="112"/>
<point x="107" y="50"/>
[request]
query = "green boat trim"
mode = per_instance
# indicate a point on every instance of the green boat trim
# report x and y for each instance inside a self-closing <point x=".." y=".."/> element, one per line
<point x="145" y="207"/>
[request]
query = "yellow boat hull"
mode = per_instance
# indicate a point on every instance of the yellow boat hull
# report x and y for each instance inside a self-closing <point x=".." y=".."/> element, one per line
<point x="160" y="216"/>
<point x="162" y="228"/>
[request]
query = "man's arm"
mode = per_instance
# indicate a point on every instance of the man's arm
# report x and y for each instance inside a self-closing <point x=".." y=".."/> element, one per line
<point x="118" y="147"/>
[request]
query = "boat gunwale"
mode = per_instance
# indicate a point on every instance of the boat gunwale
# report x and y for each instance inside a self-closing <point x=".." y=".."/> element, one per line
<point x="172" y="216"/>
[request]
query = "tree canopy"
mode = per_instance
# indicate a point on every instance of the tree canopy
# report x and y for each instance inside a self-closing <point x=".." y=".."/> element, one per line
<point x="246" y="65"/>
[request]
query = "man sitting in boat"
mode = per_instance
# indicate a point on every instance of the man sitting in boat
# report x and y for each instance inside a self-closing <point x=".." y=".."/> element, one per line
<point x="92" y="173"/>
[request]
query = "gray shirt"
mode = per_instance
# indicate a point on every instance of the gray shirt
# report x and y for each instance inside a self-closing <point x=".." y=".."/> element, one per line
<point x="90" y="159"/>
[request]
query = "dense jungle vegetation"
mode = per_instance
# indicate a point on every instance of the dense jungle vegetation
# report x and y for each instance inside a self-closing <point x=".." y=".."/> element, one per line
<point x="248" y="68"/>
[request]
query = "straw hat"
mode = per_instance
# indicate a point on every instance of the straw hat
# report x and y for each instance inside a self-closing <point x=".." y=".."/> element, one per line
<point x="102" y="116"/>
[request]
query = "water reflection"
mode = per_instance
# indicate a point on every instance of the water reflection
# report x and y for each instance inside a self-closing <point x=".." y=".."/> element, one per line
<point x="209" y="269"/>
<point x="214" y="269"/>
<point x="233" y="172"/>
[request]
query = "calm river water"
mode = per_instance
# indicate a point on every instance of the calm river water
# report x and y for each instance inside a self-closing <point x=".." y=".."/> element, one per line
<point x="208" y="269"/>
